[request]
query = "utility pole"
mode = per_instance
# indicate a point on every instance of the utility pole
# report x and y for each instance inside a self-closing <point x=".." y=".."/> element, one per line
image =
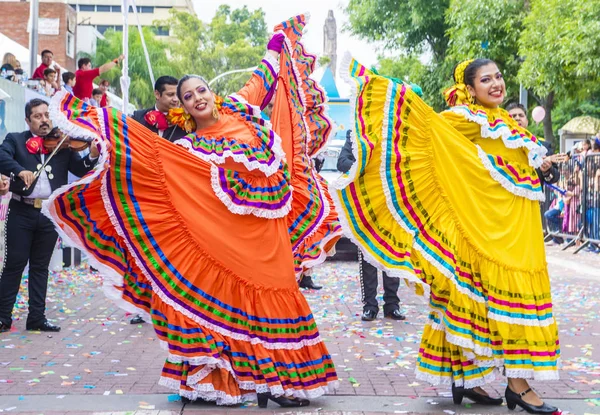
<point x="523" y="95"/>
<point x="34" y="12"/>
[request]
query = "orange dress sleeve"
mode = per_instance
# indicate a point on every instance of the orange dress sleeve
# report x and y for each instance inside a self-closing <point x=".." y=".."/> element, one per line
<point x="259" y="90"/>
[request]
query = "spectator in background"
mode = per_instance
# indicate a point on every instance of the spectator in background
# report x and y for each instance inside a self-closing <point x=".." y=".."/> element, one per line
<point x="554" y="216"/>
<point x="84" y="77"/>
<point x="9" y="63"/>
<point x="103" y="86"/>
<point x="586" y="147"/>
<point x="50" y="83"/>
<point x="518" y="113"/>
<point x="69" y="81"/>
<point x="47" y="59"/>
<point x="96" y="97"/>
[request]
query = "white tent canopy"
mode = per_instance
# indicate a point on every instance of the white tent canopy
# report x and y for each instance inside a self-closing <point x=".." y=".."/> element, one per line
<point x="7" y="45"/>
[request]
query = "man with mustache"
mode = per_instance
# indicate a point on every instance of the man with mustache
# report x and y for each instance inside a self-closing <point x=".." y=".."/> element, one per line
<point x="30" y="236"/>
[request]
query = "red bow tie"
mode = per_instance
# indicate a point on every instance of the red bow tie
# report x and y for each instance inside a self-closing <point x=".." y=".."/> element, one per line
<point x="35" y="145"/>
<point x="157" y="119"/>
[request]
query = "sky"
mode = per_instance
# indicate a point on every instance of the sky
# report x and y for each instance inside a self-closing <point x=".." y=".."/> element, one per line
<point x="277" y="11"/>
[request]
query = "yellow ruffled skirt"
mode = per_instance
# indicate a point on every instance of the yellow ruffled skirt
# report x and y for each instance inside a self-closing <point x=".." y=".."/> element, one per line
<point x="421" y="206"/>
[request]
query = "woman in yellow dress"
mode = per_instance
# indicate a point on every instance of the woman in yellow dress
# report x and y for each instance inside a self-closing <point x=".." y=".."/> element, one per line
<point x="450" y="203"/>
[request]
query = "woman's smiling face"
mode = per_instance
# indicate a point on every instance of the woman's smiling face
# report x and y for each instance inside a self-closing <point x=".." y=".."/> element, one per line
<point x="198" y="100"/>
<point x="489" y="89"/>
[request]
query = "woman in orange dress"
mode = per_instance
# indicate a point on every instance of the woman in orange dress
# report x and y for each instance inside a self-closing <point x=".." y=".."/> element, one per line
<point x="195" y="237"/>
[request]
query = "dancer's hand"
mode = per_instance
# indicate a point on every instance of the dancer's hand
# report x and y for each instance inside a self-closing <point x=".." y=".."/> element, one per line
<point x="546" y="165"/>
<point x="276" y="43"/>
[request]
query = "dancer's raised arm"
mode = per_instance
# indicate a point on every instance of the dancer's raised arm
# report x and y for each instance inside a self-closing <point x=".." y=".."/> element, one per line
<point x="261" y="87"/>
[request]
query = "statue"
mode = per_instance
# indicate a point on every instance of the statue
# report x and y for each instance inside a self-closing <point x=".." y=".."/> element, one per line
<point x="330" y="41"/>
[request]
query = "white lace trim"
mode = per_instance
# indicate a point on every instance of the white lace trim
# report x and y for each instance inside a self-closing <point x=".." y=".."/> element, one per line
<point x="471" y="348"/>
<point x="536" y="195"/>
<point x="391" y="272"/>
<point x="521" y="321"/>
<point x="60" y="119"/>
<point x="311" y="263"/>
<point x="267" y="169"/>
<point x="111" y="279"/>
<point x="536" y="152"/>
<point x="326" y="211"/>
<point x="383" y="169"/>
<point x="168" y="301"/>
<point x="247" y="210"/>
<point x="448" y="380"/>
<point x="273" y="61"/>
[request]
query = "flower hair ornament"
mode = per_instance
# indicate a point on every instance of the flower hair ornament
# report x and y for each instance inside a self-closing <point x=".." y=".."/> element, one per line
<point x="179" y="117"/>
<point x="217" y="106"/>
<point x="458" y="94"/>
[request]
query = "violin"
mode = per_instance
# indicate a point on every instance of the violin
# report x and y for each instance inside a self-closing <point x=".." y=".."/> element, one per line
<point x="56" y="141"/>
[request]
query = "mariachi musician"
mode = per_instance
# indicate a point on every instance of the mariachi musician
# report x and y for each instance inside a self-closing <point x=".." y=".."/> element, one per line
<point x="37" y="170"/>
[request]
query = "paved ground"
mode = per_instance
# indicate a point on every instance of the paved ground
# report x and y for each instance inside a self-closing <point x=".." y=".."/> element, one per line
<point x="100" y="362"/>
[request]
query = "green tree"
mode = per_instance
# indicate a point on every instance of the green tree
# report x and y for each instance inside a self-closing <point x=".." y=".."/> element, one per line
<point x="235" y="39"/>
<point x="407" y="29"/>
<point x="482" y="29"/>
<point x="561" y="46"/>
<point x="412" y="25"/>
<point x="141" y="90"/>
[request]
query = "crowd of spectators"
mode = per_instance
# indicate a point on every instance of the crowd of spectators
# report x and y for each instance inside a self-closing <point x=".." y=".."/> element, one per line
<point x="49" y="77"/>
<point x="575" y="202"/>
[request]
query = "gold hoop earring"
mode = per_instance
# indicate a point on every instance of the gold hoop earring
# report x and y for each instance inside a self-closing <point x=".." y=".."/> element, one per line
<point x="215" y="113"/>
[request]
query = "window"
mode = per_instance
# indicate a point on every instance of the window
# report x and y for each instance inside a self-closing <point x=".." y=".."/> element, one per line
<point x="119" y="28"/>
<point x="146" y="9"/>
<point x="70" y="45"/>
<point x="87" y="8"/>
<point x="116" y="9"/>
<point x="102" y="8"/>
<point x="74" y="6"/>
<point x="103" y="28"/>
<point x="160" y="30"/>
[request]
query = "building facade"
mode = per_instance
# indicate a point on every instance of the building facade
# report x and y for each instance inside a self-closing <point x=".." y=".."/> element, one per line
<point x="57" y="28"/>
<point x="107" y="14"/>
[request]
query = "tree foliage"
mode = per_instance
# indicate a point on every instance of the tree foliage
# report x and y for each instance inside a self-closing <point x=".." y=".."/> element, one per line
<point x="487" y="29"/>
<point x="141" y="89"/>
<point x="551" y="46"/>
<point x="235" y="39"/>
<point x="413" y="25"/>
<point x="561" y="43"/>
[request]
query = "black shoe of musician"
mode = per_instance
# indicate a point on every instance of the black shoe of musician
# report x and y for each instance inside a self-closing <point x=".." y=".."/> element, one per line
<point x="395" y="315"/>
<point x="4" y="327"/>
<point x="307" y="282"/>
<point x="137" y="320"/>
<point x="44" y="326"/>
<point x="368" y="315"/>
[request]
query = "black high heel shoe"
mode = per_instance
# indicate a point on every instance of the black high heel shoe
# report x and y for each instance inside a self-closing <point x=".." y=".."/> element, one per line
<point x="513" y="399"/>
<point x="263" y="399"/>
<point x="458" y="393"/>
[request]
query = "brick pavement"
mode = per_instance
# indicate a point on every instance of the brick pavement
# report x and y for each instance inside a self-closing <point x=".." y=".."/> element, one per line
<point x="98" y="352"/>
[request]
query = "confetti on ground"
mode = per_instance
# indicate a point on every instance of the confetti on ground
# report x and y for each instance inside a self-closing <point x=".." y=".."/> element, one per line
<point x="99" y="352"/>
